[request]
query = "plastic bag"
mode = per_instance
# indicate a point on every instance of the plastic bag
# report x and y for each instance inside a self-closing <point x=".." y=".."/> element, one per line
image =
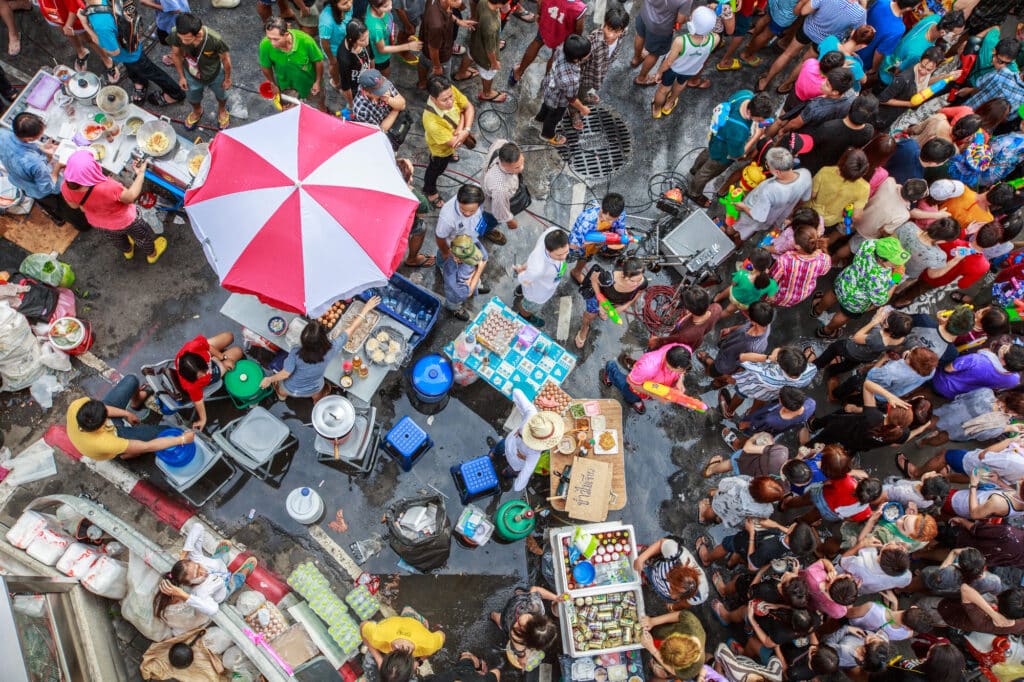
<point x="24" y="530"/>
<point x="66" y="304"/>
<point x="20" y="351"/>
<point x="45" y="387"/>
<point x="32" y="464"/>
<point x="233" y="658"/>
<point x="47" y="269"/>
<point x="137" y="606"/>
<point x="48" y="545"/>
<point x="423" y="552"/>
<point x="248" y="601"/>
<point x="77" y="560"/>
<point x="108" y="578"/>
<point x="217" y="641"/>
<point x="57" y="360"/>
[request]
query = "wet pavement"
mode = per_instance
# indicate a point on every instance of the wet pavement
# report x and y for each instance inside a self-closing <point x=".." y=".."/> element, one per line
<point x="142" y="314"/>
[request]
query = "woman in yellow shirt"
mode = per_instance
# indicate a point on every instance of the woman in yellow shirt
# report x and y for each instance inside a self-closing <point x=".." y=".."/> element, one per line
<point x="447" y="119"/>
<point x="837" y="187"/>
<point x="395" y="643"/>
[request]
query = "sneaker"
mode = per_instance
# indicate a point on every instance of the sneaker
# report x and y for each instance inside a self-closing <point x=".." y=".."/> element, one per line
<point x="159" y="246"/>
<point x="460" y="314"/>
<point x="130" y="253"/>
<point x="482" y="288"/>
<point x="496" y="237"/>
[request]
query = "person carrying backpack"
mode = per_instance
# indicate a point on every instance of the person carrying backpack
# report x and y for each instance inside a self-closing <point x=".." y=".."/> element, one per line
<point x="118" y="33"/>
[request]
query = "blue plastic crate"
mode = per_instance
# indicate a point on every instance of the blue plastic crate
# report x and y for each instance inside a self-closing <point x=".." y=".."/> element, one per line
<point x="475" y="478"/>
<point x="407" y="442"/>
<point x="413" y="306"/>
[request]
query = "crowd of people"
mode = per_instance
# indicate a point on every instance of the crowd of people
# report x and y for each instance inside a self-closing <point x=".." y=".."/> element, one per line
<point x="841" y="204"/>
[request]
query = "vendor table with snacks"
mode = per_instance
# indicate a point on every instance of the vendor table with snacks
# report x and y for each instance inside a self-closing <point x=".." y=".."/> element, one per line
<point x="508" y="353"/>
<point x="282" y="329"/>
<point x="79" y="124"/>
<point x="593" y="566"/>
<point x="599" y="421"/>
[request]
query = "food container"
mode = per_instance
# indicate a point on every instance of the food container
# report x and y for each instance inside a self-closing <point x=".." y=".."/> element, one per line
<point x="385" y="347"/>
<point x="612" y="548"/>
<point x="590" y="631"/>
<point x="195" y="159"/>
<point x="606" y="442"/>
<point x="157" y="138"/>
<point x="112" y="101"/>
<point x="83" y="86"/>
<point x="132" y="125"/>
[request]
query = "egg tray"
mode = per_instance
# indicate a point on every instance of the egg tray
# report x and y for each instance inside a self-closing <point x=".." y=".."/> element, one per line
<point x="552" y="397"/>
<point x="496" y="332"/>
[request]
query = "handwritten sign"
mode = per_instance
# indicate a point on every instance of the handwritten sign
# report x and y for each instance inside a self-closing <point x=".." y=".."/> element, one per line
<point x="589" y="489"/>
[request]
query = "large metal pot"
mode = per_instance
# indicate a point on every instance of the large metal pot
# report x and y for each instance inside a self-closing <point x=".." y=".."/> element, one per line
<point x="200" y="151"/>
<point x="333" y="418"/>
<point x="150" y="128"/>
<point x="113" y="101"/>
<point x="83" y="86"/>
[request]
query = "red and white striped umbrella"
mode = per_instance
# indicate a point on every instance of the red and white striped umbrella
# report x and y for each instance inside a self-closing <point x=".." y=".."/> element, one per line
<point x="301" y="208"/>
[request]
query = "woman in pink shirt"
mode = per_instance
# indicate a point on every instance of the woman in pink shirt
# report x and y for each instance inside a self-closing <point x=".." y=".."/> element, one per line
<point x="666" y="365"/>
<point x="797" y="271"/>
<point x="829" y="592"/>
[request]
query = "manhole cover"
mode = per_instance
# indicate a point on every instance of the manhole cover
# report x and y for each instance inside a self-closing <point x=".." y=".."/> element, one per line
<point x="601" y="149"/>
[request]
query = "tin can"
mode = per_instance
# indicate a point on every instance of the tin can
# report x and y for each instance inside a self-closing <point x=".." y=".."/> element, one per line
<point x="605" y="617"/>
<point x="600" y="598"/>
<point x="613" y="633"/>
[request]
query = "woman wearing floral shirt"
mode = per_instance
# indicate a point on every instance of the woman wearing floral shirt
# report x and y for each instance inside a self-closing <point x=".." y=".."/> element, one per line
<point x="866" y="283"/>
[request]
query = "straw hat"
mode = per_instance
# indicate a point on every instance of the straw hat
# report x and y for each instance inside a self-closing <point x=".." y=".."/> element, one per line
<point x="543" y="430"/>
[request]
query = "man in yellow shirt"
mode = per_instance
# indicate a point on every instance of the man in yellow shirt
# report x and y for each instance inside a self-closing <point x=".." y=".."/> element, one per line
<point x="394" y="644"/>
<point x="447" y="119"/>
<point x="92" y="431"/>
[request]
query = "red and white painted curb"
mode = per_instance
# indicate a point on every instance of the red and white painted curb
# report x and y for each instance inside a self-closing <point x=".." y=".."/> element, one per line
<point x="168" y="508"/>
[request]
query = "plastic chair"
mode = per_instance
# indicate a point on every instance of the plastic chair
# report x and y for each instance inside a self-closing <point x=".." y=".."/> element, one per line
<point x="253" y="441"/>
<point x="167" y="391"/>
<point x="184" y="478"/>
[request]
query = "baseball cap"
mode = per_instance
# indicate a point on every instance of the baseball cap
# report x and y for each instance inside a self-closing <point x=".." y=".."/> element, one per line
<point x="374" y="82"/>
<point x="890" y="249"/>
<point x="941" y="190"/>
<point x="669" y="548"/>
<point x="702" y="21"/>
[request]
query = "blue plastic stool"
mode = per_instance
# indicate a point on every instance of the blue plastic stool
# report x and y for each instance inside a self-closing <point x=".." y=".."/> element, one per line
<point x="406" y="442"/>
<point x="475" y="479"/>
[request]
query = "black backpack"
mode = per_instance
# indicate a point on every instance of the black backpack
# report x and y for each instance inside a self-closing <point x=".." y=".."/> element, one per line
<point x="127" y="20"/>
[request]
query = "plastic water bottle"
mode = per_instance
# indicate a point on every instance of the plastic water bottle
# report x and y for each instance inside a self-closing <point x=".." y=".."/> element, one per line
<point x="963" y="251"/>
<point x="346" y="114"/>
<point x="236" y="105"/>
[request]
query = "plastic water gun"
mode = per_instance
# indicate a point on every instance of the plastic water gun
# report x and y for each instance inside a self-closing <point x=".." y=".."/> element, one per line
<point x="767" y="239"/>
<point x="610" y="310"/>
<point x="1016" y="184"/>
<point x="848" y="218"/>
<point x="732" y="197"/>
<point x="608" y="237"/>
<point x="929" y="92"/>
<point x="765" y="123"/>
<point x="674" y="395"/>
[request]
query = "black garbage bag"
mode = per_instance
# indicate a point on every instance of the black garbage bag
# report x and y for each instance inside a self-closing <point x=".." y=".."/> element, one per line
<point x="38" y="303"/>
<point x="422" y="552"/>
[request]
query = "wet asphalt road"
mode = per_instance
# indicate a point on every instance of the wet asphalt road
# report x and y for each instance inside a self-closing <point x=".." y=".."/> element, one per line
<point x="142" y="314"/>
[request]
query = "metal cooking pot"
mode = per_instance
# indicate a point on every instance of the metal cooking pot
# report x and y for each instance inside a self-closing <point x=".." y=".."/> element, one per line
<point x="334" y="417"/>
<point x="112" y="101"/>
<point x="200" y="150"/>
<point x="83" y="86"/>
<point x="158" y="125"/>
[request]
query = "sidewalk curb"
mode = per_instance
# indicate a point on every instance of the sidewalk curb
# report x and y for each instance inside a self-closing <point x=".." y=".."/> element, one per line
<point x="169" y="509"/>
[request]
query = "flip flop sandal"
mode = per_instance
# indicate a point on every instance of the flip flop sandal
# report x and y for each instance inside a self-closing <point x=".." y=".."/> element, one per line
<point x="473" y="73"/>
<point x="717" y="459"/>
<point x="717" y="581"/>
<point x="436" y="202"/>
<point x="557" y="141"/>
<point x="138" y="95"/>
<point x="656" y="112"/>
<point x="784" y="89"/>
<point x="730" y="437"/>
<point x="411" y="61"/>
<point x="810" y="354"/>
<point x="427" y="262"/>
<point x="644" y="84"/>
<point x="716" y="614"/>
<point x="459" y="50"/>
<point x="523" y="15"/>
<point x="579" y="344"/>
<point x="732" y="66"/>
<point x="815" y="300"/>
<point x="497" y="99"/>
<point x="82" y="63"/>
<point x="753" y="63"/>
<point x="222" y="548"/>
<point x="702" y="542"/>
<point x="224" y="120"/>
<point x="669" y="109"/>
<point x="192" y="120"/>
<point x="702" y="84"/>
<point x="705" y="358"/>
<point x="247" y="567"/>
<point x="724" y="398"/>
<point x="822" y="334"/>
<point x="905" y="467"/>
<point x="14" y="48"/>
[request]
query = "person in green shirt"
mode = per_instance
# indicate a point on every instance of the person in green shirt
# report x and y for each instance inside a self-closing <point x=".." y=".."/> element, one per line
<point x="381" y="25"/>
<point x="291" y="59"/>
<point x="750" y="283"/>
<point x="484" y="43"/>
<point x="927" y="32"/>
<point x="202" y="60"/>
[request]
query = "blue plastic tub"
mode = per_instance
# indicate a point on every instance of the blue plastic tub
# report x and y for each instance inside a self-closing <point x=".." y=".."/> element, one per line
<point x="412" y="305"/>
<point x="179" y="455"/>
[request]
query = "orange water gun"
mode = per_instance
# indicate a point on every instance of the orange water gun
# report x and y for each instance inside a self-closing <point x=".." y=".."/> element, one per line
<point x="674" y="395"/>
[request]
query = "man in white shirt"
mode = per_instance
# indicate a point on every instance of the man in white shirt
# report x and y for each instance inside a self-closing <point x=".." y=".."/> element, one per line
<point x="540" y="276"/>
<point x="878" y="568"/>
<point x="460" y="215"/>
<point x="538" y="431"/>
<point x="774" y="199"/>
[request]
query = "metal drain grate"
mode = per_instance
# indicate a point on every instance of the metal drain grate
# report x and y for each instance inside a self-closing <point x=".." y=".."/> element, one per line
<point x="601" y="149"/>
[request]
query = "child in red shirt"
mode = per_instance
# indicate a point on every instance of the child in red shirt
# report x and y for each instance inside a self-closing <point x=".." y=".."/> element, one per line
<point x="201" y="362"/>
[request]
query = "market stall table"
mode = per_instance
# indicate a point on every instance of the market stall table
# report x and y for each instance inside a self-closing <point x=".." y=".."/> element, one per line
<point x="611" y="413"/>
<point x="602" y="613"/>
<point x="255" y="316"/>
<point x="64" y="121"/>
<point x="509" y="353"/>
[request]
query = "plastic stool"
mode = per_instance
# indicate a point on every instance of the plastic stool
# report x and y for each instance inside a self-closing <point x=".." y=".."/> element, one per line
<point x="475" y="479"/>
<point x="406" y="442"/>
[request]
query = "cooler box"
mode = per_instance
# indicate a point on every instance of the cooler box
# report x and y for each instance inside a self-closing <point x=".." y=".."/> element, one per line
<point x="406" y="442"/>
<point x="475" y="479"/>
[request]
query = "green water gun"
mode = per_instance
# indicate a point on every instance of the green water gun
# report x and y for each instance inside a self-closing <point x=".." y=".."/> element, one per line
<point x="610" y="310"/>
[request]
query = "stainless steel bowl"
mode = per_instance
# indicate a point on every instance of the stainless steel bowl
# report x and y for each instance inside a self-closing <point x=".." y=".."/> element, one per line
<point x="148" y="129"/>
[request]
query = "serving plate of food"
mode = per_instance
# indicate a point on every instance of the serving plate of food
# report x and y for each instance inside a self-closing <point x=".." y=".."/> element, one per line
<point x="67" y="333"/>
<point x="385" y="346"/>
<point x="606" y="442"/>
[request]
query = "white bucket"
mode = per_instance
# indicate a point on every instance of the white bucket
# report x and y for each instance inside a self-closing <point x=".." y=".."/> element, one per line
<point x="304" y="505"/>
